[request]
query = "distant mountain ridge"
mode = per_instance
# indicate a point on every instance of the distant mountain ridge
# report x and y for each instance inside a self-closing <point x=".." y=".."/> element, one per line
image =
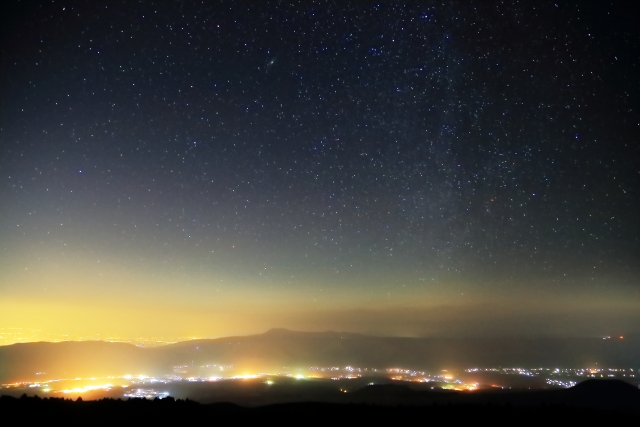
<point x="279" y="348"/>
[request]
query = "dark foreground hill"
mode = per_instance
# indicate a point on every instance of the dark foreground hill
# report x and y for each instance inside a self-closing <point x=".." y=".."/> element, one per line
<point x="281" y="348"/>
<point x="601" y="394"/>
<point x="548" y="408"/>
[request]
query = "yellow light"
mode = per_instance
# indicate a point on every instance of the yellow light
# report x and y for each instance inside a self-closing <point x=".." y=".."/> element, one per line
<point x="248" y="376"/>
<point x="88" y="388"/>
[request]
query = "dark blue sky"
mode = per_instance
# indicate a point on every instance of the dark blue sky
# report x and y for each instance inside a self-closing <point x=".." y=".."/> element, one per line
<point x="368" y="156"/>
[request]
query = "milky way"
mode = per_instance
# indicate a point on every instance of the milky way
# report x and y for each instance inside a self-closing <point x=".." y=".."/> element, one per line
<point x="385" y="167"/>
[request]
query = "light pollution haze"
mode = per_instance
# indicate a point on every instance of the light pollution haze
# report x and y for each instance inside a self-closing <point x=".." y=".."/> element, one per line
<point x="174" y="169"/>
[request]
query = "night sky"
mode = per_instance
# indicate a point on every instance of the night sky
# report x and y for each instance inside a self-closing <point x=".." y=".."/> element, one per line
<point x="393" y="168"/>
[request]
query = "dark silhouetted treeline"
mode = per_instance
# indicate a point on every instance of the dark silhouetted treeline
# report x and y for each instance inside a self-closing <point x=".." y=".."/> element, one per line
<point x="31" y="410"/>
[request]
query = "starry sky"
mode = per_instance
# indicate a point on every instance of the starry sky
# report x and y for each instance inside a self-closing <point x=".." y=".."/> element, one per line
<point x="394" y="168"/>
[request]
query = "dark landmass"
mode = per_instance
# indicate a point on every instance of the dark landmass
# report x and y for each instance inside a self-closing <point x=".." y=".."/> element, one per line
<point x="281" y="348"/>
<point x="593" y="401"/>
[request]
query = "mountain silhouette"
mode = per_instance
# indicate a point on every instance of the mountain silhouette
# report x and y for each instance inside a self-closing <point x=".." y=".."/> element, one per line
<point x="610" y="394"/>
<point x="280" y="348"/>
